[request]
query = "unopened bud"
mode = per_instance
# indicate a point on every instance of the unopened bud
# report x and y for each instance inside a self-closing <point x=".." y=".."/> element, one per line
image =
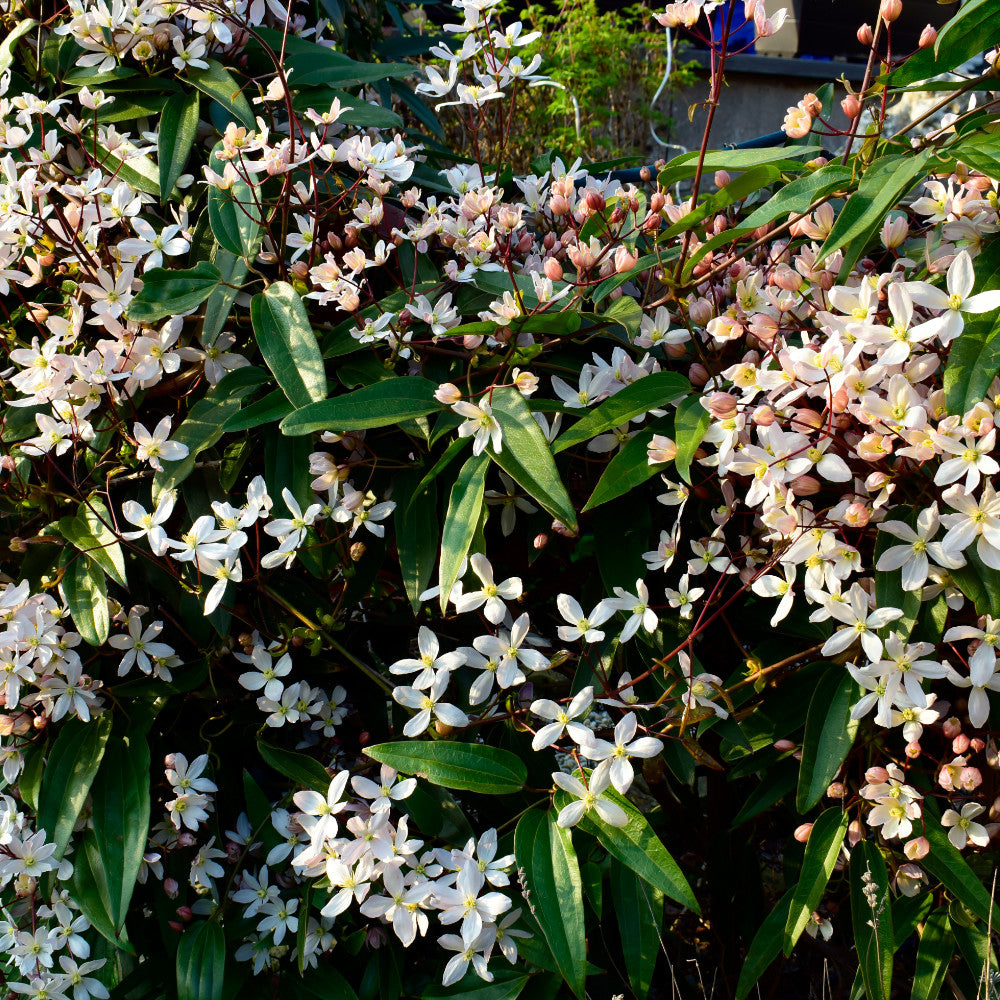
<point x="851" y="106"/>
<point x="951" y="727"/>
<point x="928" y="37"/>
<point x="806" y="486"/>
<point x="657" y="201"/>
<point x="917" y="848"/>
<point x="960" y="743"/>
<point x="763" y="416"/>
<point x="185" y="913"/>
<point x="783" y="746"/>
<point x="865" y="35"/>
<point x="171" y="888"/>
<point x="722" y="405"/>
<point x="698" y="374"/>
<point x="802" y="832"/>
<point x="553" y="269"/>
<point x="722" y="178"/>
<point x="889" y="10"/>
<point x="836" y="791"/>
<point x="447" y="393"/>
<point x="358" y="549"/>
<point x="857" y="515"/>
<point x="541" y="540"/>
<point x="912" y="750"/>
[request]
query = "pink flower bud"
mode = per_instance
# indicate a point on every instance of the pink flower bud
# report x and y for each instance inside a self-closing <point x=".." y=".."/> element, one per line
<point x="722" y="405"/>
<point x="447" y="393"/>
<point x="560" y="529"/>
<point x="558" y="205"/>
<point x="976" y="745"/>
<point x="657" y="201"/>
<point x="661" y="449"/>
<point x="889" y="10"/>
<point x="951" y="727"/>
<point x="786" y="278"/>
<point x="960" y="743"/>
<point x="764" y="327"/>
<point x="722" y="178"/>
<point x="624" y="261"/>
<point x="552" y="268"/>
<point x="912" y="750"/>
<point x="865" y="35"/>
<point x="186" y="840"/>
<point x="917" y="848"/>
<point x="471" y="341"/>
<point x="170" y="887"/>
<point x="783" y="746"/>
<point x="855" y="833"/>
<point x="857" y="515"/>
<point x="698" y="374"/>
<point x="763" y="416"/>
<point x="837" y="790"/>
<point x="928" y="37"/>
<point x="876" y="775"/>
<point x="541" y="541"/>
<point x="185" y="913"/>
<point x="802" y="832"/>
<point x="806" y="486"/>
<point x="700" y="311"/>
<point x="851" y="106"/>
<point x="176" y="925"/>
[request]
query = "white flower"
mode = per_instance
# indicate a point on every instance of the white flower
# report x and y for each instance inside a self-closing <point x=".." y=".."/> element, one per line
<point x="430" y="660"/>
<point x="561" y="719"/>
<point x="492" y="594"/>
<point x="775" y="586"/>
<point x="583" y="626"/>
<point x="955" y="301"/>
<point x="427" y="704"/>
<point x="614" y="757"/>
<point x="152" y="447"/>
<point x="481" y="423"/>
<point x="139" y="646"/>
<point x="861" y="623"/>
<point x="963" y="830"/>
<point x="640" y="611"/>
<point x="464" y="902"/>
<point x="387" y="791"/>
<point x="267" y="675"/>
<point x="587" y="799"/>
<point x="150" y="525"/>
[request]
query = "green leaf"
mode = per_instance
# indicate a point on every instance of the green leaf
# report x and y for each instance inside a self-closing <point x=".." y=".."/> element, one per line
<point x="170" y="293"/>
<point x="120" y="799"/>
<point x="201" y="962"/>
<point x="30" y="780"/>
<point x="272" y="408"/>
<point x="937" y="945"/>
<point x="303" y="770"/>
<point x="221" y="86"/>
<point x="629" y="467"/>
<point x="323" y="66"/>
<point x="527" y="458"/>
<point x="21" y="28"/>
<point x="505" y="986"/>
<point x="73" y="762"/>
<point x="233" y="213"/>
<point x="637" y="846"/>
<point x="784" y="157"/>
<point x="822" y="849"/>
<point x="639" y="909"/>
<point x="979" y="582"/>
<point x="882" y="185"/>
<point x="435" y="813"/>
<point x="468" y="767"/>
<point x="649" y="393"/>
<point x="626" y="312"/>
<point x="947" y="864"/>
<point x="390" y="401"/>
<point x="974" y="358"/>
<point x="288" y="344"/>
<point x="202" y="428"/>
<point x="90" y="532"/>
<point x="691" y="423"/>
<point x="875" y="944"/>
<point x="418" y="533"/>
<point x="972" y="30"/>
<point x="796" y="196"/>
<point x="765" y="947"/>
<point x="178" y="127"/>
<point x="90" y="890"/>
<point x="829" y="735"/>
<point x="233" y="270"/>
<point x="554" y="889"/>
<point x="464" y="507"/>
<point x="86" y="595"/>
<point x="608" y="285"/>
<point x="135" y="169"/>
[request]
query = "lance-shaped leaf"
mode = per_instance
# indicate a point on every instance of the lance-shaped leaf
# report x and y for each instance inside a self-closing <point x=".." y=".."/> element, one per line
<point x="221" y="86"/>
<point x="120" y="812"/>
<point x="90" y="890"/>
<point x="829" y="735"/>
<point x="526" y="457"/>
<point x="86" y="596"/>
<point x="286" y="339"/>
<point x="937" y="945"/>
<point x="175" y="137"/>
<point x="233" y="213"/>
<point x="552" y="884"/>
<point x="298" y="767"/>
<point x="765" y="947"/>
<point x="417" y="534"/>
<point x="90" y="532"/>
<point x="637" y="846"/>
<point x="690" y="426"/>
<point x="470" y="767"/>
<point x="639" y="908"/>
<point x="649" y="393"/>
<point x="171" y="293"/>
<point x="464" y="507"/>
<point x="69" y="773"/>
<point x="822" y="848"/>
<point x="629" y="467"/>
<point x="391" y="401"/>
<point x="201" y="962"/>
<point x="873" y="934"/>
